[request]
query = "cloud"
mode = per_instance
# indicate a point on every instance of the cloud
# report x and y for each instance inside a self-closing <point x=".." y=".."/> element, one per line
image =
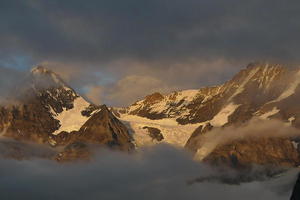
<point x="10" y="148"/>
<point x="184" y="44"/>
<point x="255" y="128"/>
<point x="9" y="78"/>
<point x="147" y="30"/>
<point x="135" y="79"/>
<point x="132" y="87"/>
<point x="155" y="173"/>
<point x="94" y="94"/>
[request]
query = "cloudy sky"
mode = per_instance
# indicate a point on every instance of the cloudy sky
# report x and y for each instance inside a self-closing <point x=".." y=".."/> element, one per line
<point x="116" y="51"/>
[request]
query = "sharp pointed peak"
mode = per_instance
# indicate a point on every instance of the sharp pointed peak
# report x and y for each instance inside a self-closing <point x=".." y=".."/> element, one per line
<point x="104" y="108"/>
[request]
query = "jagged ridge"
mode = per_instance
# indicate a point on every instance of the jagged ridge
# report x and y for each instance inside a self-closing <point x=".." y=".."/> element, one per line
<point x="266" y="91"/>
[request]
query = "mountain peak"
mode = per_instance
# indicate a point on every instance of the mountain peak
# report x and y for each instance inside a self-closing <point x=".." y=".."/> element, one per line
<point x="39" y="69"/>
<point x="155" y="97"/>
<point x="42" y="76"/>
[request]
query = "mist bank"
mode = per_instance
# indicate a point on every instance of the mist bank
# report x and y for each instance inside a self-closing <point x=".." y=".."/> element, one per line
<point x="254" y="129"/>
<point x="162" y="172"/>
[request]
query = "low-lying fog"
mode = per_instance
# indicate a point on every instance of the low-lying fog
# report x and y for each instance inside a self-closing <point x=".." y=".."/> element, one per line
<point x="160" y="172"/>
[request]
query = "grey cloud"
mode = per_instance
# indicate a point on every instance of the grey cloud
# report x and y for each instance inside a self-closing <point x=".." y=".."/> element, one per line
<point x="94" y="94"/>
<point x="104" y="39"/>
<point x="160" y="29"/>
<point x="255" y="128"/>
<point x="159" y="173"/>
<point x="139" y="79"/>
<point x="131" y="88"/>
<point x="9" y="78"/>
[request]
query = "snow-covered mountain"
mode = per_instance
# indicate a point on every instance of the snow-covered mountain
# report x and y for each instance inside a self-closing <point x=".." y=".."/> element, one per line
<point x="258" y="85"/>
<point x="44" y="109"/>
<point x="265" y="91"/>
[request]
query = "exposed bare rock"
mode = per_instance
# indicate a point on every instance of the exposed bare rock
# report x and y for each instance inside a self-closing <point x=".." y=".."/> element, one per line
<point x="296" y="190"/>
<point x="104" y="128"/>
<point x="263" y="151"/>
<point x="73" y="152"/>
<point x="192" y="143"/>
<point x="154" y="133"/>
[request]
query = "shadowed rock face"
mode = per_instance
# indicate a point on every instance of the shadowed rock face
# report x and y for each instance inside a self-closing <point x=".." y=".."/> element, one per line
<point x="264" y="151"/>
<point x="244" y="153"/>
<point x="29" y="121"/>
<point x="105" y="128"/>
<point x="192" y="143"/>
<point x="148" y="102"/>
<point x="101" y="128"/>
<point x="296" y="191"/>
<point x="18" y="150"/>
<point x="33" y="115"/>
<point x="74" y="151"/>
<point x="154" y="133"/>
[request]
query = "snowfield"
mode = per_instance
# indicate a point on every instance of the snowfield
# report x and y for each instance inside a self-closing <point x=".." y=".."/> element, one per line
<point x="222" y="117"/>
<point x="174" y="133"/>
<point x="72" y="119"/>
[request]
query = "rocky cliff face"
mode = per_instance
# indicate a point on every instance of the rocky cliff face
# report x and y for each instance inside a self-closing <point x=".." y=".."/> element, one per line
<point x="244" y="153"/>
<point x="262" y="91"/>
<point x="296" y="191"/>
<point x="46" y="110"/>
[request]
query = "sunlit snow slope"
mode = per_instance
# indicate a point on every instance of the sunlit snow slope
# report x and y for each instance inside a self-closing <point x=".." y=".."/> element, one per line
<point x="173" y="133"/>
